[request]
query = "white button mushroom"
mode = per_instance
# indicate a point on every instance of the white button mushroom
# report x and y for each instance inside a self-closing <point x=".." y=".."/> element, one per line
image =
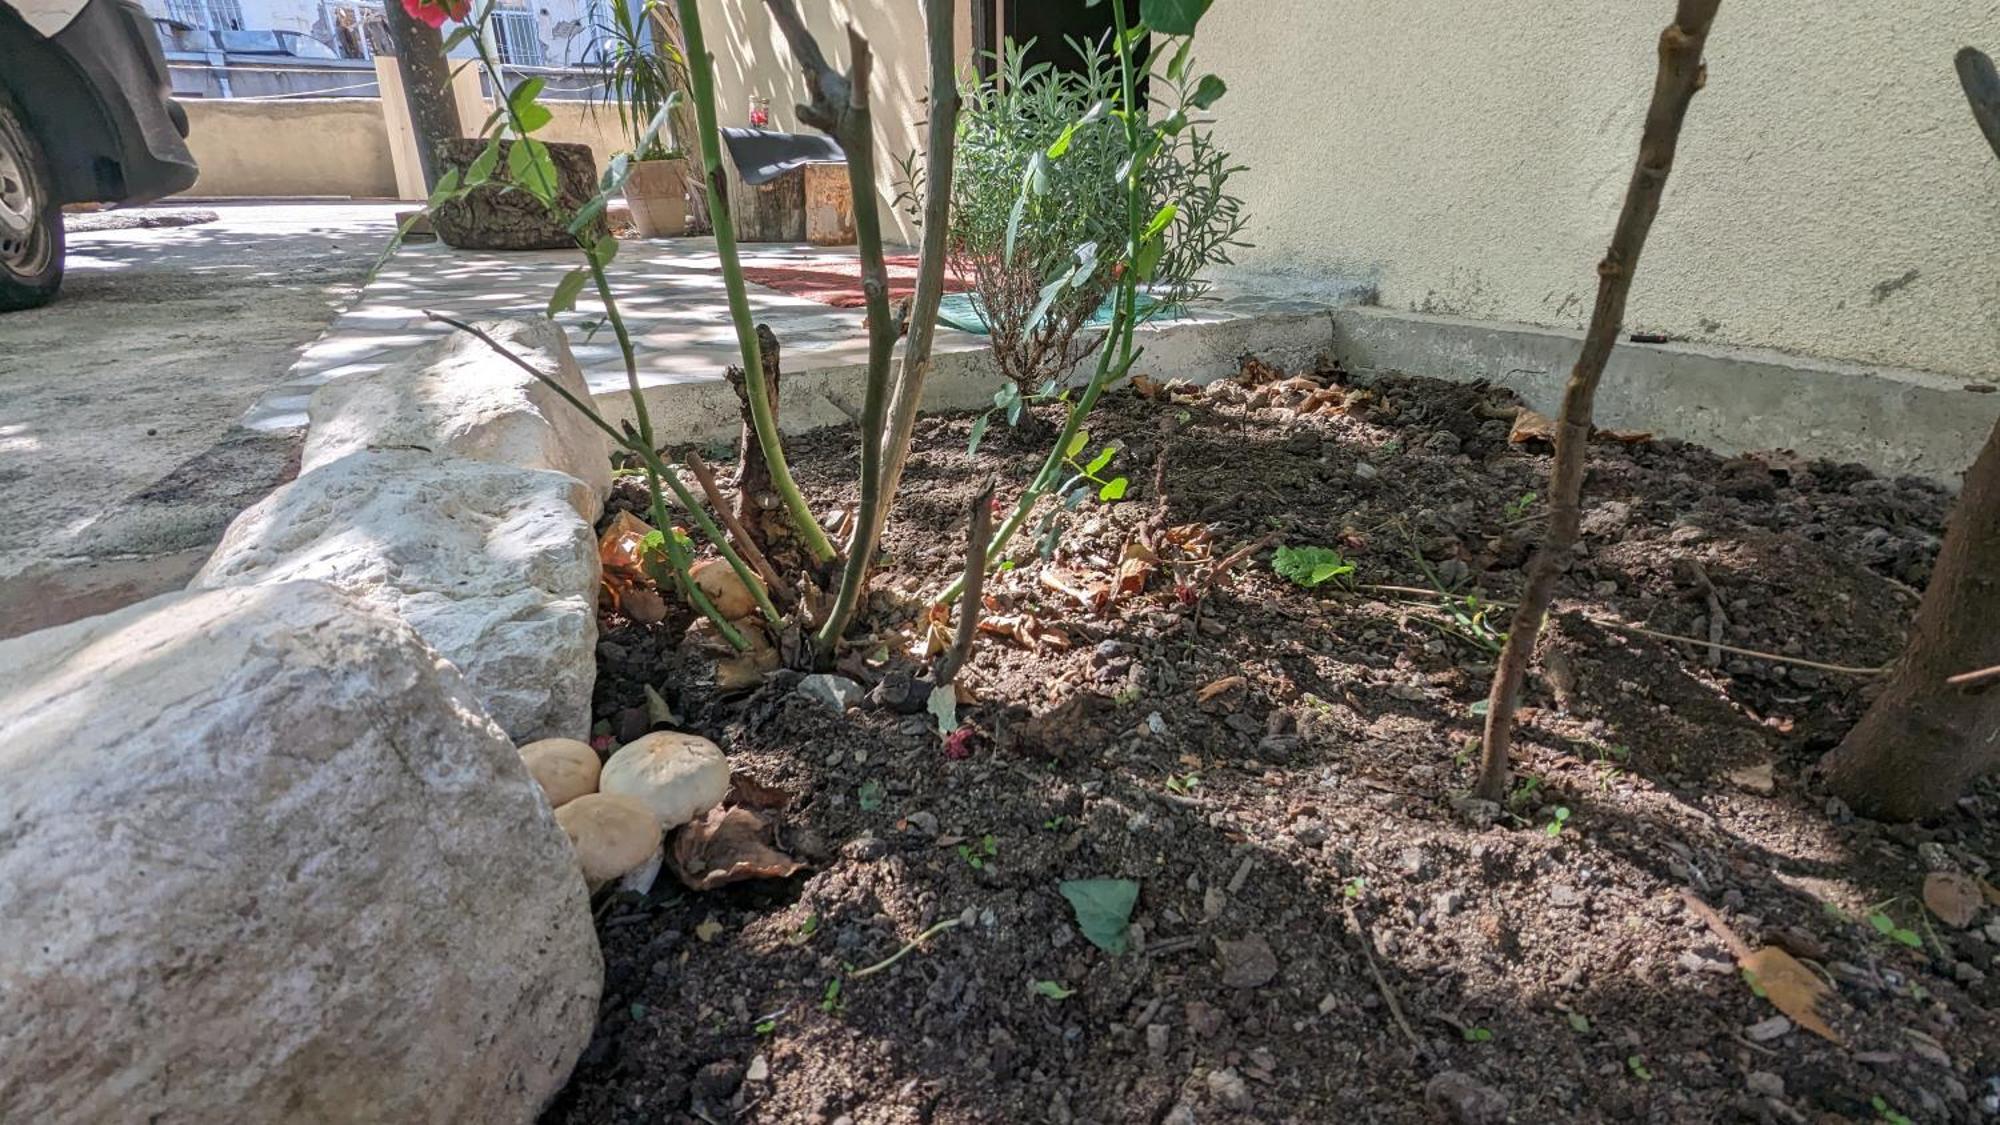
<point x="678" y="776"/>
<point x="565" y="768"/>
<point x="612" y="834"/>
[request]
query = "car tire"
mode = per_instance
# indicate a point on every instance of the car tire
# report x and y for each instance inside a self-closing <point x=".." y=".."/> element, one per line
<point x="31" y="263"/>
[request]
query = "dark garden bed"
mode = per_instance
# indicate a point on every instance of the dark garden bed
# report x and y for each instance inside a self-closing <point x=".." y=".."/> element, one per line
<point x="1278" y="766"/>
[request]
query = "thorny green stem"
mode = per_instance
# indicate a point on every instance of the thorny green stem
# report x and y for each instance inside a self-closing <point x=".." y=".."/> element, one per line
<point x="701" y="82"/>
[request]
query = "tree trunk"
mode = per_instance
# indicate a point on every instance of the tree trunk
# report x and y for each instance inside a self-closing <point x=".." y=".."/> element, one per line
<point x="1923" y="741"/>
<point x="1680" y="75"/>
<point x="773" y="211"/>
<point x="426" y="87"/>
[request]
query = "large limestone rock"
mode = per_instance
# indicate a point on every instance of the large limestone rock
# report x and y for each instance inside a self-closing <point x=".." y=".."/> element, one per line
<point x="491" y="565"/>
<point x="265" y="860"/>
<point x="464" y="399"/>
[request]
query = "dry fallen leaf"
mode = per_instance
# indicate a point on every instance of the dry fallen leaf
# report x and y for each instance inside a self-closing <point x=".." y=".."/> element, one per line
<point x="1790" y="987"/>
<point x="727" y="846"/>
<point x="1530" y="426"/>
<point x="1219" y="687"/>
<point x="708" y="930"/>
<point x="1953" y="897"/>
<point x="622" y="546"/>
<point x="1134" y="568"/>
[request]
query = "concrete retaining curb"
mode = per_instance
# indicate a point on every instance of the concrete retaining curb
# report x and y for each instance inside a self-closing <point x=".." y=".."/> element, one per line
<point x="1895" y="422"/>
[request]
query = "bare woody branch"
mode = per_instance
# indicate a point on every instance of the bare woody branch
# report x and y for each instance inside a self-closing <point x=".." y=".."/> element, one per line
<point x="978" y="534"/>
<point x="1680" y="75"/>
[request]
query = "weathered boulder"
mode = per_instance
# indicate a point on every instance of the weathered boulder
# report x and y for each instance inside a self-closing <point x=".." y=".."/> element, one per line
<point x="464" y="399"/>
<point x="266" y="860"/>
<point x="678" y="776"/>
<point x="490" y="564"/>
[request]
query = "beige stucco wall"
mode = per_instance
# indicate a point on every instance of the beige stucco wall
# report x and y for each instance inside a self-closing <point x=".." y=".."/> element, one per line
<point x="751" y="58"/>
<point x="297" y="146"/>
<point x="333" y="146"/>
<point x="1832" y="197"/>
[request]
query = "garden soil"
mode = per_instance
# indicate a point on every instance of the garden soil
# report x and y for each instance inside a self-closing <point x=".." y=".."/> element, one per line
<point x="1326" y="930"/>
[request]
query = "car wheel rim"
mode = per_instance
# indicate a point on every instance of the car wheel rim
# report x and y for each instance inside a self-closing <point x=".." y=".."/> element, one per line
<point x="23" y="245"/>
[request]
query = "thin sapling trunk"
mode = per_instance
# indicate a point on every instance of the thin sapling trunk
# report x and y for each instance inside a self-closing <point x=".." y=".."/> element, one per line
<point x="1680" y="75"/>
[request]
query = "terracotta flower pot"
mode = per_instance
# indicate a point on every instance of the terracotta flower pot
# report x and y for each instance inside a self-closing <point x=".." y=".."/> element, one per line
<point x="656" y="193"/>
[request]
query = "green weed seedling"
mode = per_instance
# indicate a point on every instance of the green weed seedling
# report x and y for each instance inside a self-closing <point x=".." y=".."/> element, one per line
<point x="977" y="853"/>
<point x="1312" y="567"/>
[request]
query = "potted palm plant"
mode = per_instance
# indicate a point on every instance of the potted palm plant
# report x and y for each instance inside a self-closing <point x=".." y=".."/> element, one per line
<point x="643" y="68"/>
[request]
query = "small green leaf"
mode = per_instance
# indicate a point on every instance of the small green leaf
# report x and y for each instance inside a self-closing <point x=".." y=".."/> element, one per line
<point x="978" y="431"/>
<point x="1638" y="1068"/>
<point x="1062" y="141"/>
<point x="1173" y="17"/>
<point x="1160" y="220"/>
<point x="564" y="298"/>
<point x="1115" y="490"/>
<point x="1076" y="444"/>
<point x="459" y="35"/>
<point x="525" y="94"/>
<point x="1098" y="462"/>
<point x="1103" y="910"/>
<point x="1178" y="65"/>
<point x="1148" y="259"/>
<point x="481" y="168"/>
<point x="532" y="117"/>
<point x="1579" y="1023"/>
<point x="605" y="249"/>
<point x="1053" y="989"/>
<point x="943" y="705"/>
<point x="1208" y="91"/>
<point x="1478" y="1035"/>
<point x="447" y="186"/>
<point x="870" y="795"/>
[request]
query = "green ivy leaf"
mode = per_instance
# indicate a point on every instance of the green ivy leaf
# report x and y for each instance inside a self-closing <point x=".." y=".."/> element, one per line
<point x="1208" y="91"/>
<point x="1103" y="910"/>
<point x="564" y="298"/>
<point x="1173" y="17"/>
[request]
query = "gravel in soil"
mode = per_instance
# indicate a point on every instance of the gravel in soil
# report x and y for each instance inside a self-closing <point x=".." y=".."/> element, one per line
<point x="1326" y="930"/>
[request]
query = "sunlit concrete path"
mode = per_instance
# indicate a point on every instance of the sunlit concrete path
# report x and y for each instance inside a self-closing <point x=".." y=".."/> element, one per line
<point x="121" y="453"/>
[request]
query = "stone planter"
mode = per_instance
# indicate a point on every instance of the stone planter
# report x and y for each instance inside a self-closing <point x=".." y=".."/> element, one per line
<point x="656" y="194"/>
<point x="492" y="218"/>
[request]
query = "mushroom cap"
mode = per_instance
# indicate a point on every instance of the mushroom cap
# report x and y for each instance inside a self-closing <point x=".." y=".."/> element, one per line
<point x="565" y="768"/>
<point x="612" y="834"/>
<point x="730" y="595"/>
<point x="678" y="776"/>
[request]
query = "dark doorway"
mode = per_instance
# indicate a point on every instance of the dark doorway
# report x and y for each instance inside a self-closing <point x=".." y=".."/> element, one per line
<point x="1050" y="23"/>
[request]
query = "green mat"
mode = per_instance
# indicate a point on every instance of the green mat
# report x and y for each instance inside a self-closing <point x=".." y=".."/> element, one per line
<point x="958" y="310"/>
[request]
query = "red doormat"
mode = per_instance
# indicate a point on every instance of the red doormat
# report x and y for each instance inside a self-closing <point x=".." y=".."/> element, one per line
<point x="839" y="283"/>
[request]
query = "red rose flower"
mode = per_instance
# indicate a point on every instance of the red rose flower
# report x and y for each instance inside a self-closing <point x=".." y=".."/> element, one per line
<point x="435" y="12"/>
